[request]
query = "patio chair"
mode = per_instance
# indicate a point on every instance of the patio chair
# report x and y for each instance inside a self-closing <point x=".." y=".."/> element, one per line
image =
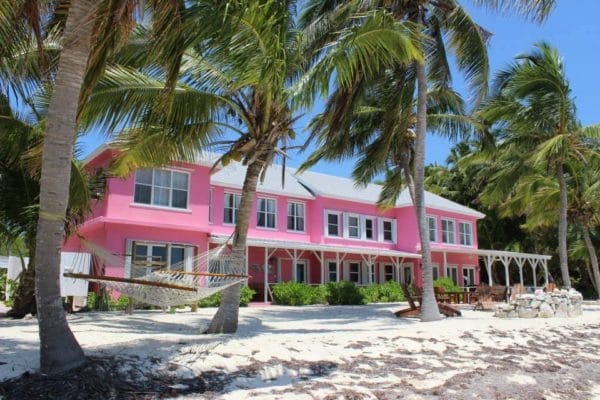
<point x="415" y="309"/>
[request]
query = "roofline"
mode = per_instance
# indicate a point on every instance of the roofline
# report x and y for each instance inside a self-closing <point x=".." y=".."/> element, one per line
<point x="261" y="190"/>
<point x="469" y="211"/>
<point x="494" y="253"/>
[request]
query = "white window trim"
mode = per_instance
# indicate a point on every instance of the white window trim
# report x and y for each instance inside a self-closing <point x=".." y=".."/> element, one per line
<point x="170" y="208"/>
<point x="363" y="222"/>
<point x="306" y="267"/>
<point x="453" y="230"/>
<point x="436" y="228"/>
<point x="394" y="229"/>
<point x="161" y="243"/>
<point x="305" y="219"/>
<point x="383" y="266"/>
<point x="267" y="228"/>
<point x="462" y="221"/>
<point x="463" y="268"/>
<point x="226" y="192"/>
<point x="326" y="224"/>
<point x="450" y="267"/>
<point x="360" y="265"/>
<point x="347" y="226"/>
<point x="337" y="270"/>
<point x="403" y="267"/>
<point x="436" y="266"/>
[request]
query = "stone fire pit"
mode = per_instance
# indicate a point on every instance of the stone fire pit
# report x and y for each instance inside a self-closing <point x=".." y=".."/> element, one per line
<point x="560" y="303"/>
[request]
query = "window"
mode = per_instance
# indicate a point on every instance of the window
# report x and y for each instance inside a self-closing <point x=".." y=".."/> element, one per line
<point x="388" y="231"/>
<point x="332" y="271"/>
<point x="295" y="217"/>
<point x="152" y="256"/>
<point x="372" y="270"/>
<point x="333" y="224"/>
<point x="354" y="272"/>
<point x="448" y="231"/>
<point x="431" y="223"/>
<point x="435" y="271"/>
<point x="301" y="272"/>
<point x="388" y="272"/>
<point x="407" y="271"/>
<point x="161" y="187"/>
<point x="353" y="226"/>
<point x="231" y="208"/>
<point x="452" y="272"/>
<point x="465" y="233"/>
<point x="369" y="229"/>
<point x="267" y="213"/>
<point x="468" y="276"/>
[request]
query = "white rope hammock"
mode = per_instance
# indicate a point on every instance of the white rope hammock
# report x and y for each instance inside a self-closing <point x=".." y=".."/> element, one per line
<point x="213" y="272"/>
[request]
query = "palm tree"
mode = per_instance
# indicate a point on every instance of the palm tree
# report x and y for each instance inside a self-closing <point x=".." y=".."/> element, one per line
<point x="534" y="113"/>
<point x="246" y="72"/>
<point x="444" y="24"/>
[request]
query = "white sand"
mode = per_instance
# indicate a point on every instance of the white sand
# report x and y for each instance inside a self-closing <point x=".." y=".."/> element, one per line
<point x="342" y="352"/>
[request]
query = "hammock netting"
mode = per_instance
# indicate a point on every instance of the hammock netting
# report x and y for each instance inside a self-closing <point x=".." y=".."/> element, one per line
<point x="212" y="272"/>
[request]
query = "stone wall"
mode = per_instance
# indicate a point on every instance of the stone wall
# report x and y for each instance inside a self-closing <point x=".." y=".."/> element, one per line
<point x="560" y="303"/>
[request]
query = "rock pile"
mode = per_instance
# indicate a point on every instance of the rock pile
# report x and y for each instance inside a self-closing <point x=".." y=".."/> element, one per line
<point x="560" y="303"/>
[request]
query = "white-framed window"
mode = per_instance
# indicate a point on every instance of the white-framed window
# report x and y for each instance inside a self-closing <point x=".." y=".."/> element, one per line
<point x="266" y="211"/>
<point x="332" y="223"/>
<point x="452" y="272"/>
<point x="407" y="273"/>
<point x="210" y="206"/>
<point x="332" y="271"/>
<point x="465" y="233"/>
<point x="301" y="271"/>
<point x="432" y="225"/>
<point x="388" y="272"/>
<point x="468" y="278"/>
<point x="448" y="231"/>
<point x="435" y="271"/>
<point x="161" y="187"/>
<point x="353" y="222"/>
<point x="295" y="216"/>
<point x="387" y="229"/>
<point x="354" y="271"/>
<point x="151" y="256"/>
<point x="369" y="228"/>
<point x="231" y="207"/>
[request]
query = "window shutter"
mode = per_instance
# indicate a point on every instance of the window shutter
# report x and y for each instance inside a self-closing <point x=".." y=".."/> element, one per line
<point x="128" y="255"/>
<point x="395" y="231"/>
<point x="381" y="272"/>
<point x="363" y="227"/>
<point x="189" y="259"/>
<point x="346" y="270"/>
<point x="364" y="273"/>
<point x="379" y="229"/>
<point x="345" y="225"/>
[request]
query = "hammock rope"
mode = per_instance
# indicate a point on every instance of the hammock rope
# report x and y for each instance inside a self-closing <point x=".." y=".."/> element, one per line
<point x="212" y="272"/>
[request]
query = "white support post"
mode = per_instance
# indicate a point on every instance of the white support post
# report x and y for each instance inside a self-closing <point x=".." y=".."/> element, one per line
<point x="337" y="266"/>
<point x="533" y="267"/>
<point x="266" y="286"/>
<point x="295" y="265"/>
<point x="520" y="262"/>
<point x="488" y="260"/>
<point x="445" y="264"/>
<point x="322" y="261"/>
<point x="545" y="265"/>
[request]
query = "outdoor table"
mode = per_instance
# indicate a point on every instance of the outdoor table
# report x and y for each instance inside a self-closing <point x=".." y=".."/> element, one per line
<point x="458" y="296"/>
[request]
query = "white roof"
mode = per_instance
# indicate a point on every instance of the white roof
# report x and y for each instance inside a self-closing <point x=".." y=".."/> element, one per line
<point x="233" y="176"/>
<point x="345" y="189"/>
<point x="277" y="244"/>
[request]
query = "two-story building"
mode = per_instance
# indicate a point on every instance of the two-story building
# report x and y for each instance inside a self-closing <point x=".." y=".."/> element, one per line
<point x="308" y="227"/>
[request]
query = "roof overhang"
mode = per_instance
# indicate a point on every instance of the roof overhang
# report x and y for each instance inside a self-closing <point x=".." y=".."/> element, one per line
<point x="275" y="244"/>
<point x="493" y="253"/>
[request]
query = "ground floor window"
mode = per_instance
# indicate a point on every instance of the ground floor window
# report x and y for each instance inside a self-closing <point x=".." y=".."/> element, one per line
<point x="332" y="271"/>
<point x="301" y="272"/>
<point x="436" y="271"/>
<point x="388" y="272"/>
<point x="407" y="272"/>
<point x="354" y="272"/>
<point x="152" y="256"/>
<point x="468" y="276"/>
<point x="452" y="272"/>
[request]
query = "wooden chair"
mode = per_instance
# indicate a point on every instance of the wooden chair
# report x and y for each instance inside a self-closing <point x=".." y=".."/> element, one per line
<point x="440" y="295"/>
<point x="415" y="309"/>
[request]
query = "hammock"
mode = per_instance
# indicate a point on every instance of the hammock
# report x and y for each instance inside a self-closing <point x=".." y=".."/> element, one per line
<point x="213" y="272"/>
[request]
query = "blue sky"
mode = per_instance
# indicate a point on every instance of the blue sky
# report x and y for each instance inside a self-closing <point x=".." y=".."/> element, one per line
<point x="572" y="28"/>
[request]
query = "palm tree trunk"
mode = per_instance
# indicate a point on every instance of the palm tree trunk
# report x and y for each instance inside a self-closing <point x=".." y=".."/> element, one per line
<point x="226" y="318"/>
<point x="429" y="308"/>
<point x="59" y="350"/>
<point x="562" y="228"/>
<point x="24" y="300"/>
<point x="593" y="258"/>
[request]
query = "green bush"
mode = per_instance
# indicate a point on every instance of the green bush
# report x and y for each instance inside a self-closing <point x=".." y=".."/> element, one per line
<point x="12" y="288"/>
<point x="388" y="292"/>
<point x="3" y="279"/>
<point x="446" y="283"/>
<point x="297" y="294"/>
<point x="119" y="304"/>
<point x="344" y="293"/>
<point x="92" y="301"/>
<point x="246" y="295"/>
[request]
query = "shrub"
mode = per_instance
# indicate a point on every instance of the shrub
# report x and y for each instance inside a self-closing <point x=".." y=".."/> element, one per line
<point x="297" y="294"/>
<point x="388" y="292"/>
<point x="92" y="301"/>
<point x="344" y="293"/>
<point x="246" y="295"/>
<point x="3" y="279"/>
<point x="119" y="304"/>
<point x="446" y="283"/>
<point x="12" y="288"/>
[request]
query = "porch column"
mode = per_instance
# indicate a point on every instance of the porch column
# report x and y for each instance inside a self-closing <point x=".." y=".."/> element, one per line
<point x="295" y="265"/>
<point x="545" y="265"/>
<point x="445" y="272"/>
<point x="533" y="267"/>
<point x="338" y="266"/>
<point x="322" y="260"/>
<point x="266" y="285"/>
<point x="488" y="260"/>
<point x="520" y="262"/>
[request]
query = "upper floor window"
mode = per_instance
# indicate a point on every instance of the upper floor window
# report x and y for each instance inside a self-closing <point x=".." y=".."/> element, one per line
<point x="388" y="230"/>
<point x="231" y="208"/>
<point x="465" y="232"/>
<point x="448" y="231"/>
<point x="369" y="229"/>
<point x="333" y="223"/>
<point x="353" y="226"/>
<point x="295" y="217"/>
<point x="431" y="223"/>
<point x="266" y="213"/>
<point x="161" y="187"/>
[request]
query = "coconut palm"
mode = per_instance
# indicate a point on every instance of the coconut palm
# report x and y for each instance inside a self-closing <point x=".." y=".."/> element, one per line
<point x="533" y="110"/>
<point x="446" y="26"/>
<point x="246" y="72"/>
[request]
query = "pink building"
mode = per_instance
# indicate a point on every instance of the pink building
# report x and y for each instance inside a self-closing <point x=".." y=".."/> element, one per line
<point x="316" y="228"/>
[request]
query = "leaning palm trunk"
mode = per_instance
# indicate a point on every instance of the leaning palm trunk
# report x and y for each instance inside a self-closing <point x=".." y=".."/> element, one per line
<point x="226" y="318"/>
<point x="429" y="308"/>
<point x="59" y="350"/>
<point x="593" y="258"/>
<point x="24" y="299"/>
<point x="562" y="228"/>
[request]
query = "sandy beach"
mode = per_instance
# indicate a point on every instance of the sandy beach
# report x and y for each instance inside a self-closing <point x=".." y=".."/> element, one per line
<point x="324" y="352"/>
